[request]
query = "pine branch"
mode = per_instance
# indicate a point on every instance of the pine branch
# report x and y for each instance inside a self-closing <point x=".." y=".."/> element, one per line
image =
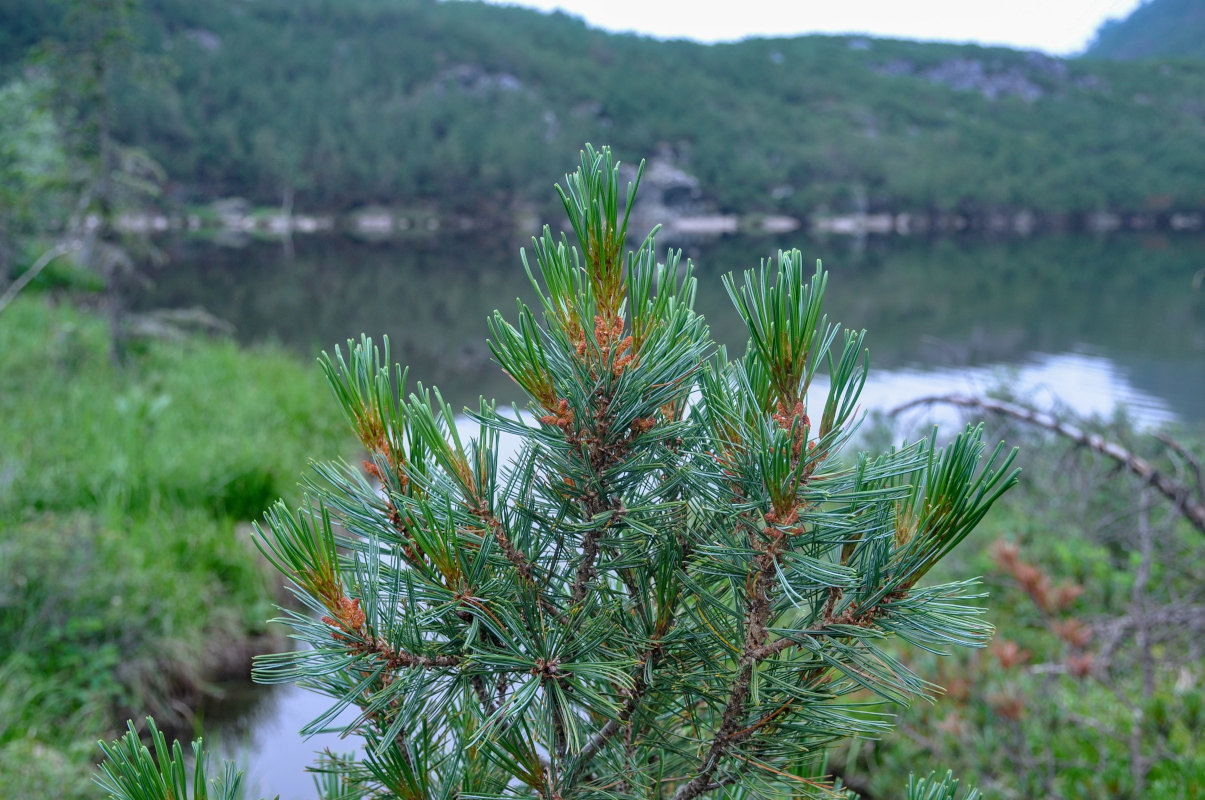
<point x="678" y="536"/>
<point x="758" y="601"/>
<point x="394" y="659"/>
<point x="515" y="556"/>
<point x="585" y="567"/>
<point x="861" y="618"/>
<point x="598" y="459"/>
<point x="613" y="726"/>
<point x="130" y="773"/>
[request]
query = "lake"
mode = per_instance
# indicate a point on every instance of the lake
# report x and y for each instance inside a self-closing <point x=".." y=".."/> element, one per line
<point x="1062" y="320"/>
<point x="1095" y="321"/>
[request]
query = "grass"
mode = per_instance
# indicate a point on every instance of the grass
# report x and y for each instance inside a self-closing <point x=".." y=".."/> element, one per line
<point x="195" y="424"/>
<point x="126" y="575"/>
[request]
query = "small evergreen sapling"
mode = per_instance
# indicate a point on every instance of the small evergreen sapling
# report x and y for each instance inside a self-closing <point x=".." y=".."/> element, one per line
<point x="680" y="585"/>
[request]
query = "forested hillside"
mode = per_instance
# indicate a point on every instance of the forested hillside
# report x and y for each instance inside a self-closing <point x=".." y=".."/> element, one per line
<point x="464" y="106"/>
<point x="1157" y="29"/>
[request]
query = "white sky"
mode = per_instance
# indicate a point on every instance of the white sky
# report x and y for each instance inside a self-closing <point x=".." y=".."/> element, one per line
<point x="1060" y="27"/>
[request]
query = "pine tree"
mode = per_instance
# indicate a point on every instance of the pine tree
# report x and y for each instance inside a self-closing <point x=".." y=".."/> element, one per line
<point x="680" y="586"/>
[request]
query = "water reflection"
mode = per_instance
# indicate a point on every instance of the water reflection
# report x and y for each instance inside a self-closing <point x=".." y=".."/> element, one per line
<point x="929" y="305"/>
<point x="257" y="727"/>
<point x="1088" y="385"/>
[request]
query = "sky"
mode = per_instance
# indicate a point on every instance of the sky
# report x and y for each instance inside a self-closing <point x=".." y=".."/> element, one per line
<point x="1058" y="27"/>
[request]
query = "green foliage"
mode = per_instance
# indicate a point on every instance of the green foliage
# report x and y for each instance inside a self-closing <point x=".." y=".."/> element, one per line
<point x="33" y="165"/>
<point x="63" y="273"/>
<point x="131" y="772"/>
<point x="84" y="433"/>
<point x="412" y="95"/>
<point x="1070" y="700"/>
<point x="1156" y="29"/>
<point x="931" y="789"/>
<point x="678" y="585"/>
<point x="125" y="581"/>
<point x="33" y="770"/>
<point x="87" y="597"/>
<point x="32" y="161"/>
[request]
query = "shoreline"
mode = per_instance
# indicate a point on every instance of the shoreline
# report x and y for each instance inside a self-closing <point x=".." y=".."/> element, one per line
<point x="379" y="224"/>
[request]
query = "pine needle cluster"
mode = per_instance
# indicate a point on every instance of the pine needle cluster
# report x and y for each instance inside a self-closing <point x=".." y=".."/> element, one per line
<point x="681" y="584"/>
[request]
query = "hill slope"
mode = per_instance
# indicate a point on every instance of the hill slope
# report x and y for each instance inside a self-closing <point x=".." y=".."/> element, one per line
<point x="473" y="107"/>
<point x="1157" y="29"/>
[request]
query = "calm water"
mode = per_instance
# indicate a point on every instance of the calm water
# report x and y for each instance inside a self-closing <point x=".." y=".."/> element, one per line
<point x="1085" y="322"/>
<point x="1092" y="320"/>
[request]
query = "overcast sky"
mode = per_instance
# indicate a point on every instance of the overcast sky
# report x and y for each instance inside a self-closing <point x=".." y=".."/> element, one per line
<point x="1061" y="27"/>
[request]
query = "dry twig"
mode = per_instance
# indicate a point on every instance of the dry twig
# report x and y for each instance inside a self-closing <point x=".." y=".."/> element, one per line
<point x="1183" y="498"/>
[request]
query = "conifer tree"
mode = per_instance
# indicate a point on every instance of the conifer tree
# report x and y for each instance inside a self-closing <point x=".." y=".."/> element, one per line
<point x="680" y="586"/>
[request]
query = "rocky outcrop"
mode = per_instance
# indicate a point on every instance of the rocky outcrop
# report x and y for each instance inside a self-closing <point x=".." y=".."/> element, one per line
<point x="991" y="79"/>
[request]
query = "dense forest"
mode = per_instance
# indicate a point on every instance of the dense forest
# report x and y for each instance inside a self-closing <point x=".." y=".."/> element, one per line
<point x="1159" y="29"/>
<point x="462" y="106"/>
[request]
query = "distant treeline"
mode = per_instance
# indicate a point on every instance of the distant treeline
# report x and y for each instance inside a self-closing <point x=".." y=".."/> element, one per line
<point x="466" y="106"/>
<point x="1156" y="29"/>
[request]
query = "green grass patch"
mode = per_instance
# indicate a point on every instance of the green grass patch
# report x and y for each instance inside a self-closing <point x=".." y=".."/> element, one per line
<point x="126" y="572"/>
<point x="196" y="424"/>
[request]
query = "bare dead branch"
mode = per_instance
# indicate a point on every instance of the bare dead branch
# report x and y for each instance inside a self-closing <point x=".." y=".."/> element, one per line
<point x="1190" y="507"/>
<point x="1194" y="463"/>
<point x="31" y="273"/>
<point x="1163" y="623"/>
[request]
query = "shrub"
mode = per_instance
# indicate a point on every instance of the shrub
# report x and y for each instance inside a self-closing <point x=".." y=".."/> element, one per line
<point x="678" y="586"/>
